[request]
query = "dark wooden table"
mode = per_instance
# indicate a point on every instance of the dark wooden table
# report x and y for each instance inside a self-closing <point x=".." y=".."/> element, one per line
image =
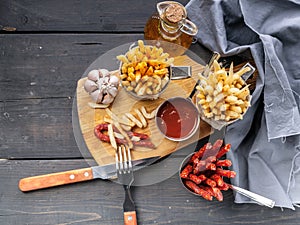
<point x="45" y="46"/>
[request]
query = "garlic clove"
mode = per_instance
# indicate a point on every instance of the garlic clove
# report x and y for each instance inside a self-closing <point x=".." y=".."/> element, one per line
<point x="93" y="75"/>
<point x="97" y="96"/>
<point x="104" y="73"/>
<point x="113" y="91"/>
<point x="107" y="99"/>
<point x="90" y="86"/>
<point x="100" y="82"/>
<point x="105" y="80"/>
<point x="114" y="80"/>
<point x="100" y="98"/>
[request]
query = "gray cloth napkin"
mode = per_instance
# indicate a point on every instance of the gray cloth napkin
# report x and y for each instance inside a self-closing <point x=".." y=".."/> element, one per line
<point x="266" y="143"/>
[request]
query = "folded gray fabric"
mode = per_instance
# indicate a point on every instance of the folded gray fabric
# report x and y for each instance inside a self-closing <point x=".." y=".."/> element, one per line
<point x="266" y="143"/>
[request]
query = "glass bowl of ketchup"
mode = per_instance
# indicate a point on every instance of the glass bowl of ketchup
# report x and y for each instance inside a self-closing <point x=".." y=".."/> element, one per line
<point x="177" y="119"/>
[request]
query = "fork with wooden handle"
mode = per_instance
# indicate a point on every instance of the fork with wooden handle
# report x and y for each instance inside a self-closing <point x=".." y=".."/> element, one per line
<point x="125" y="177"/>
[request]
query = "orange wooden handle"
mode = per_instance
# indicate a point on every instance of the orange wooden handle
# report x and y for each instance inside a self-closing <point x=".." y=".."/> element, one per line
<point x="55" y="179"/>
<point x="130" y="218"/>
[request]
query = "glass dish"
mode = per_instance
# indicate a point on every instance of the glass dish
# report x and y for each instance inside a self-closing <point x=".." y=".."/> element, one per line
<point x="145" y="71"/>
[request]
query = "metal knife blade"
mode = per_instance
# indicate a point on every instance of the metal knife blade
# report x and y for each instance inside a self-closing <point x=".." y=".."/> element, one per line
<point x="110" y="171"/>
<point x="78" y="175"/>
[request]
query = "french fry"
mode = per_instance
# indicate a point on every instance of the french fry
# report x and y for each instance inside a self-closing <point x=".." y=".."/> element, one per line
<point x="107" y="119"/>
<point x="149" y="91"/>
<point x="141" y="117"/>
<point x="141" y="91"/>
<point x="122" y="122"/>
<point x="232" y="99"/>
<point x="237" y="109"/>
<point x="219" y="97"/>
<point x="142" y="62"/>
<point x="164" y="81"/>
<point x="242" y="71"/>
<point x="116" y="118"/>
<point x="118" y="135"/>
<point x="134" y="120"/>
<point x="122" y="58"/>
<point x="148" y="50"/>
<point x="129" y="88"/>
<point x="216" y="66"/>
<point x="126" y="127"/>
<point x="97" y="106"/>
<point x="243" y="93"/>
<point x="223" y="95"/>
<point x="146" y="114"/>
<point x="129" y="142"/>
<point x="141" y="46"/>
<point x="111" y="136"/>
<point x="126" y="83"/>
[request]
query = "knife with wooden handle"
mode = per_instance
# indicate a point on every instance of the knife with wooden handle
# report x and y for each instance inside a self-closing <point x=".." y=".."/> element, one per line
<point x="78" y="175"/>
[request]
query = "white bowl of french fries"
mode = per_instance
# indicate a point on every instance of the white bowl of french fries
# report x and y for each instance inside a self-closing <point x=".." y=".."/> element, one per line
<point x="223" y="96"/>
<point x="145" y="71"/>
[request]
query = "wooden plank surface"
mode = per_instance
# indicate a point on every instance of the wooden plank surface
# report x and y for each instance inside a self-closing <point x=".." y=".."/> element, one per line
<point x="45" y="47"/>
<point x="49" y="65"/>
<point x="38" y="80"/>
<point x="100" y="202"/>
<point x="37" y="128"/>
<point x="68" y="15"/>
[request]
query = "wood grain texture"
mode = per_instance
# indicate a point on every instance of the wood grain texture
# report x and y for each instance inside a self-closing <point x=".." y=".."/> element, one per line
<point x="130" y="218"/>
<point x="34" y="66"/>
<point x="38" y="66"/>
<point x="88" y="15"/>
<point x="45" y="47"/>
<point x="37" y="128"/>
<point x="100" y="202"/>
<point x="55" y="179"/>
<point x="103" y="152"/>
<point x="39" y="74"/>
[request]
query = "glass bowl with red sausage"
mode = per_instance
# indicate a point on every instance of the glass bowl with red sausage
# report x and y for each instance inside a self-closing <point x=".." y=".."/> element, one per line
<point x="202" y="172"/>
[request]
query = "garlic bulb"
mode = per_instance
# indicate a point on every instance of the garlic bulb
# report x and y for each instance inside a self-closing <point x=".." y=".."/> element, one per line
<point x="102" y="86"/>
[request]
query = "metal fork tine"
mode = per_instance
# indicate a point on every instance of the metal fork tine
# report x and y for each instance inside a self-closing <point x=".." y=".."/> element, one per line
<point x="121" y="159"/>
<point x="117" y="161"/>
<point x="125" y="159"/>
<point x="129" y="158"/>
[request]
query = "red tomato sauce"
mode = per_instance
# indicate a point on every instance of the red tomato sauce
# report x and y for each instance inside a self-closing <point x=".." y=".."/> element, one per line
<point x="177" y="117"/>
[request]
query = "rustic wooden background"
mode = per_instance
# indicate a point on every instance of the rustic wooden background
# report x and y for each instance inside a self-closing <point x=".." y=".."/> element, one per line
<point x="45" y="46"/>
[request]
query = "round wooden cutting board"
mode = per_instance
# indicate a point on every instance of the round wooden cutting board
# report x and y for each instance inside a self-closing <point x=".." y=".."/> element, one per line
<point x="103" y="152"/>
